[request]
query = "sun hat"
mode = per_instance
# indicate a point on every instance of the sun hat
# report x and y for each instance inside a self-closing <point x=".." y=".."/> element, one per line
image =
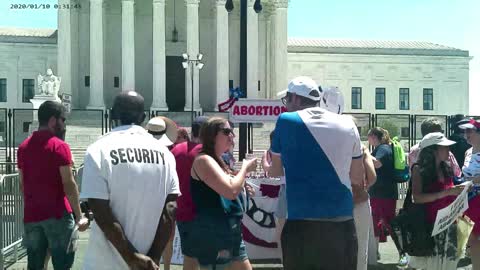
<point x="435" y="138"/>
<point x="163" y="129"/>
<point x="332" y="100"/>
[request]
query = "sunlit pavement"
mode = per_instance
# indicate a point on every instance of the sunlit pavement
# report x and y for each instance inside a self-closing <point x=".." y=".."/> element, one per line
<point x="388" y="259"/>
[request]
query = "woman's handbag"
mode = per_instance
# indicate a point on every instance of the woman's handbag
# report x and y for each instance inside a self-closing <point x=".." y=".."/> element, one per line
<point x="464" y="228"/>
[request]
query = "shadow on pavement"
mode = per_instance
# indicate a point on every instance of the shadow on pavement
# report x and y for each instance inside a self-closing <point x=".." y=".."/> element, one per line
<point x="383" y="266"/>
<point x="464" y="262"/>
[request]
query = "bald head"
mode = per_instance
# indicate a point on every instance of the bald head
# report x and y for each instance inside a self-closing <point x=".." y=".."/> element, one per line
<point x="128" y="108"/>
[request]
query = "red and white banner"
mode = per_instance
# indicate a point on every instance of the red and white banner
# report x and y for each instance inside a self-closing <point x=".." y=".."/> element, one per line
<point x="256" y="110"/>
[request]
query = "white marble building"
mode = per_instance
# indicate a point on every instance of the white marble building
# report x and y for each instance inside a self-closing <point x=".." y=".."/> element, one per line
<point x="387" y="77"/>
<point x="375" y="76"/>
<point x="108" y="45"/>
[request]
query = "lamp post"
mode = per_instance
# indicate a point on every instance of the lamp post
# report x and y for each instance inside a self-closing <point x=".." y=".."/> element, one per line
<point x="242" y="146"/>
<point x="192" y="63"/>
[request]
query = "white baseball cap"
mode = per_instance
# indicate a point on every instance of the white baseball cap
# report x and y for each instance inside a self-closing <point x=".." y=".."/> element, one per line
<point x="332" y="100"/>
<point x="303" y="86"/>
<point x="435" y="138"/>
<point x="163" y="129"/>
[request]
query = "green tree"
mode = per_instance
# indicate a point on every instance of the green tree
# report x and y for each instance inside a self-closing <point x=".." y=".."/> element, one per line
<point x="391" y="127"/>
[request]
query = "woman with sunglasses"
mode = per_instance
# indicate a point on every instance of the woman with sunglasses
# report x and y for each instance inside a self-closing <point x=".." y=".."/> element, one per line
<point x="220" y="201"/>
<point x="471" y="172"/>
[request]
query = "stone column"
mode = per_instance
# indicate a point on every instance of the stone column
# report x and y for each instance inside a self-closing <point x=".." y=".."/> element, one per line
<point x="159" y="59"/>
<point x="128" y="45"/>
<point x="268" y="56"/>
<point x="96" y="55"/>
<point x="193" y="43"/>
<point x="252" y="51"/>
<point x="279" y="46"/>
<point x="64" y="60"/>
<point x="222" y="52"/>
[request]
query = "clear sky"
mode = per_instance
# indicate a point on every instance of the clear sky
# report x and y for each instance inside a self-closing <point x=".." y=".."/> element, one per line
<point x="446" y="22"/>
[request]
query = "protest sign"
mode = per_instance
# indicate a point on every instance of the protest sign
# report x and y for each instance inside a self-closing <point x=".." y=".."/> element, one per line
<point x="448" y="215"/>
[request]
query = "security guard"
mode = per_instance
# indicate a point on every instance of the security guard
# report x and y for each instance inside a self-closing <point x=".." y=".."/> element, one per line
<point x="131" y="185"/>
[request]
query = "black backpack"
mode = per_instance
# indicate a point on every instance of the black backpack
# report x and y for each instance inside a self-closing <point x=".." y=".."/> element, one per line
<point x="411" y="232"/>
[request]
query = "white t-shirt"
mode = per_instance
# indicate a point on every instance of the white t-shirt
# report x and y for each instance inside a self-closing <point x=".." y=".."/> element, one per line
<point x="135" y="173"/>
<point x="471" y="166"/>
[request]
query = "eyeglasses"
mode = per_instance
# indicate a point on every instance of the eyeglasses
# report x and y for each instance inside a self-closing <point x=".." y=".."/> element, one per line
<point x="284" y="100"/>
<point x="227" y="131"/>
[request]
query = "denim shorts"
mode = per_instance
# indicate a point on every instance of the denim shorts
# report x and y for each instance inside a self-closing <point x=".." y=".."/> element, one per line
<point x="57" y="235"/>
<point x="213" y="241"/>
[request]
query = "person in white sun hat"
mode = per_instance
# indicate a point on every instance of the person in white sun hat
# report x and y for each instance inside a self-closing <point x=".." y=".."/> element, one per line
<point x="163" y="129"/>
<point x="332" y="100"/>
<point x="432" y="186"/>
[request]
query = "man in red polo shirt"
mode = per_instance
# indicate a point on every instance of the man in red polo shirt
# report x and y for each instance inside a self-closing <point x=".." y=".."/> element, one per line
<point x="184" y="154"/>
<point x="50" y="192"/>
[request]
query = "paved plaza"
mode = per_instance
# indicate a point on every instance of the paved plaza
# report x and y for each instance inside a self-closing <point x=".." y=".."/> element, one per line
<point x="388" y="253"/>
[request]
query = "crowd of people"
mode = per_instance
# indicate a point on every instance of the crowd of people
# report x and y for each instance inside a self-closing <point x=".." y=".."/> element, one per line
<point x="336" y="201"/>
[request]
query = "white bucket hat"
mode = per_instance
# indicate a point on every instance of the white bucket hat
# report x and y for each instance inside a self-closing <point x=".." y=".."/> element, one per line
<point x="435" y="138"/>
<point x="332" y="100"/>
<point x="163" y="129"/>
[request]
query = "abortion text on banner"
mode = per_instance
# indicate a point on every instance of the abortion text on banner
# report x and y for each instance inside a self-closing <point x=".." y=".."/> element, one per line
<point x="448" y="215"/>
<point x="256" y="110"/>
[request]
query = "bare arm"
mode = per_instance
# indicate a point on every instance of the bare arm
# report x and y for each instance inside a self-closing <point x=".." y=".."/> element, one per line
<point x="276" y="170"/>
<point x="266" y="163"/>
<point x="376" y="163"/>
<point x="113" y="231"/>
<point x="370" y="174"/>
<point x="164" y="229"/>
<point x="212" y="174"/>
<point x="71" y="190"/>
<point x="357" y="171"/>
<point x="421" y="197"/>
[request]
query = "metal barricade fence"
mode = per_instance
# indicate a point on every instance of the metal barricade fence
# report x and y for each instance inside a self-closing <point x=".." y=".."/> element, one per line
<point x="11" y="219"/>
<point x="8" y="168"/>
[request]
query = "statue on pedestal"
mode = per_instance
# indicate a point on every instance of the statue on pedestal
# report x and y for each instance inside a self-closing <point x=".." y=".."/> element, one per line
<point x="49" y="85"/>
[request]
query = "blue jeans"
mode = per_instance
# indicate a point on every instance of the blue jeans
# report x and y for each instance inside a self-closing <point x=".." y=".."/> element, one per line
<point x="57" y="235"/>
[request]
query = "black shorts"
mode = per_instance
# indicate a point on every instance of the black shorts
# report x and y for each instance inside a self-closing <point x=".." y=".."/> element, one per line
<point x="319" y="245"/>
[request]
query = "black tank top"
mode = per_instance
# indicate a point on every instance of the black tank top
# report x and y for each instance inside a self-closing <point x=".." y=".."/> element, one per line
<point x="209" y="202"/>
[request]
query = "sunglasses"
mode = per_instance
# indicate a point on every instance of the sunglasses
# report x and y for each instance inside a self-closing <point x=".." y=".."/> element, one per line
<point x="285" y="99"/>
<point x="227" y="131"/>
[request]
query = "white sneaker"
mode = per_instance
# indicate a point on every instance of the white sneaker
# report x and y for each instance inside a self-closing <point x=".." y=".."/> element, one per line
<point x="403" y="261"/>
